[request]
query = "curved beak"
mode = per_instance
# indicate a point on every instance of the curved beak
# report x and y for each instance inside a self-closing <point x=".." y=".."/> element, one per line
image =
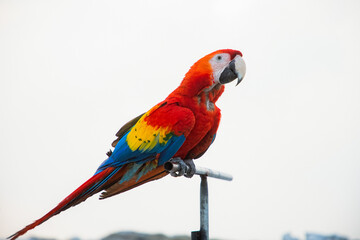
<point x="235" y="69"/>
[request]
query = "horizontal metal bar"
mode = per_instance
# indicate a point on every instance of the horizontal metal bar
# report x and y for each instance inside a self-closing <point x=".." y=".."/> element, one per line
<point x="213" y="173"/>
<point x="174" y="167"/>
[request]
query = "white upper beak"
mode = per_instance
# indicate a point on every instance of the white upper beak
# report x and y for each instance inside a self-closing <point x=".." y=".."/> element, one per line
<point x="240" y="68"/>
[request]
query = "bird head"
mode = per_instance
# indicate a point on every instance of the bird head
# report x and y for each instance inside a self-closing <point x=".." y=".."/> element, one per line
<point x="215" y="69"/>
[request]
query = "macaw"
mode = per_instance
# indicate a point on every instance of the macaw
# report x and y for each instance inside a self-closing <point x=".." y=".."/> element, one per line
<point x="181" y="128"/>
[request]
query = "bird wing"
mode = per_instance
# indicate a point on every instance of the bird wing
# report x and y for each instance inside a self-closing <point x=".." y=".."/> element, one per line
<point x="142" y="151"/>
<point x="157" y="134"/>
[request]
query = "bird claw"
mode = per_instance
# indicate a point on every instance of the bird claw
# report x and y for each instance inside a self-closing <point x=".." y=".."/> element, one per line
<point x="187" y="167"/>
<point x="182" y="165"/>
<point x="191" y="168"/>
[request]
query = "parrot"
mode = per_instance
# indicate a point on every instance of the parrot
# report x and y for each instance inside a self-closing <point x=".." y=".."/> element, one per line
<point x="181" y="128"/>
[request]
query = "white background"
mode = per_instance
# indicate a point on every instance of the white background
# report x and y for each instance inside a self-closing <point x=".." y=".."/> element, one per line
<point x="72" y="72"/>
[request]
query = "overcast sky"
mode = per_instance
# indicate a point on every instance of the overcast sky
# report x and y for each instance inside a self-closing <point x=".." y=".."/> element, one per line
<point x="73" y="72"/>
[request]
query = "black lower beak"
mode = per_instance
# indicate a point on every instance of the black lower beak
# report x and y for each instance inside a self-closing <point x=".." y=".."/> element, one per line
<point x="235" y="69"/>
<point x="229" y="74"/>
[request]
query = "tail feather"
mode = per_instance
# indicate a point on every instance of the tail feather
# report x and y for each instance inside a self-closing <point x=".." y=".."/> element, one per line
<point x="133" y="181"/>
<point x="112" y="180"/>
<point x="92" y="186"/>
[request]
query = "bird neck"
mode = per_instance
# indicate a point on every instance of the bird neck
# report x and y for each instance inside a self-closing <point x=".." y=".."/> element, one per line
<point x="202" y="92"/>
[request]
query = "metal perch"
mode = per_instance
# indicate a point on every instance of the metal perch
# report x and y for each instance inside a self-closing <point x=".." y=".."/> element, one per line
<point x="203" y="234"/>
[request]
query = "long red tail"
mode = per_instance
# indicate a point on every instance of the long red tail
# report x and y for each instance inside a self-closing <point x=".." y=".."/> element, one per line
<point x="95" y="184"/>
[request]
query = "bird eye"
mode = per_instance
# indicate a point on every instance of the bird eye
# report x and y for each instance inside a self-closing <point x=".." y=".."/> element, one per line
<point x="219" y="57"/>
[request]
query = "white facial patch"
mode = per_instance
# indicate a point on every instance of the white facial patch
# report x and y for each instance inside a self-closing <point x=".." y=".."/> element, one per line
<point x="218" y="63"/>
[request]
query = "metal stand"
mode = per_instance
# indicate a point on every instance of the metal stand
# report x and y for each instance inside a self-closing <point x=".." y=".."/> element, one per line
<point x="203" y="234"/>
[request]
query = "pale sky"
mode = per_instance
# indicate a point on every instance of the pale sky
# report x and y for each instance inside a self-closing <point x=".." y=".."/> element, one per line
<point x="73" y="72"/>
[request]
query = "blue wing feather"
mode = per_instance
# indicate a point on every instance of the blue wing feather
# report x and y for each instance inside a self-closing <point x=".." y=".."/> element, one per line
<point x="122" y="154"/>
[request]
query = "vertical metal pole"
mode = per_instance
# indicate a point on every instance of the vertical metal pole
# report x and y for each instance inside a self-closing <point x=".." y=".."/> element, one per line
<point x="204" y="209"/>
<point x="203" y="234"/>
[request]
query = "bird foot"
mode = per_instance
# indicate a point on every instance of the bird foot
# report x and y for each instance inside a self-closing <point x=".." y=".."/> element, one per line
<point x="186" y="167"/>
<point x="191" y="168"/>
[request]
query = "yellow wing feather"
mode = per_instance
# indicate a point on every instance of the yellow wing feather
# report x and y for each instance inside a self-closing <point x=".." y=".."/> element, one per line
<point x="144" y="137"/>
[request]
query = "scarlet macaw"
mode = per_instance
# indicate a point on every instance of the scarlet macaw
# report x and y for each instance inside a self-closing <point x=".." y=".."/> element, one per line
<point x="182" y="127"/>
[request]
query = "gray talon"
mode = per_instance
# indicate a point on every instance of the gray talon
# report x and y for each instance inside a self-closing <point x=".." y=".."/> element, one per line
<point x="187" y="167"/>
<point x="182" y="169"/>
<point x="190" y="169"/>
